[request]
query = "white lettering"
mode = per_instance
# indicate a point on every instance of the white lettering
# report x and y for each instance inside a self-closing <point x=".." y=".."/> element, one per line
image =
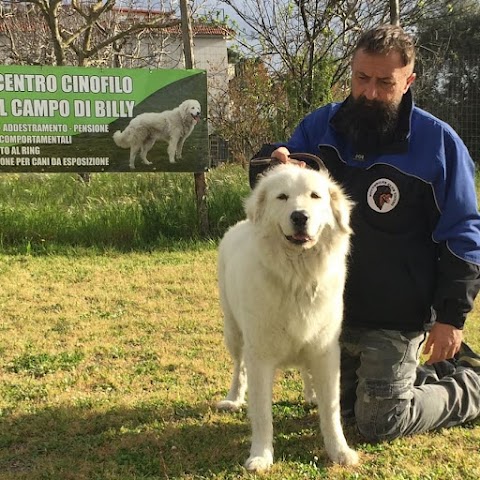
<point x="40" y="108"/>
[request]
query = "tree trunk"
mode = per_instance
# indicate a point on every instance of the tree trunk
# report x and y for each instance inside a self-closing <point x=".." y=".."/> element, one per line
<point x="395" y="12"/>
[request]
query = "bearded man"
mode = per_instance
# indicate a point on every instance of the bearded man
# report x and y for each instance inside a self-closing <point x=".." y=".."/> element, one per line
<point x="414" y="267"/>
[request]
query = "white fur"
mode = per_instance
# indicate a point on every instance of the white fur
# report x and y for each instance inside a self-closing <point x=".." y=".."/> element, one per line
<point x="283" y="302"/>
<point x="172" y="126"/>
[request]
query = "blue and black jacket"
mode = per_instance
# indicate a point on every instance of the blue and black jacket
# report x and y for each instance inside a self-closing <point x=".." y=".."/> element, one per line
<point x="416" y="246"/>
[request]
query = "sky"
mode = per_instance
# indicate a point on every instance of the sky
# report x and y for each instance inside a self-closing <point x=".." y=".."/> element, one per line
<point x="225" y="10"/>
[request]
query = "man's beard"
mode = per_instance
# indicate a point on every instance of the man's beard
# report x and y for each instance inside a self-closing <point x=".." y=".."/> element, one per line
<point x="369" y="124"/>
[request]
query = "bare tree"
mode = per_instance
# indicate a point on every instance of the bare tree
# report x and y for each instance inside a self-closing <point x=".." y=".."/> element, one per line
<point x="305" y="47"/>
<point x="294" y="37"/>
<point x="79" y="32"/>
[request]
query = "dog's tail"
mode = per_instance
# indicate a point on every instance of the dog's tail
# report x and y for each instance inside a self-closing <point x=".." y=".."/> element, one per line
<point x="121" y="139"/>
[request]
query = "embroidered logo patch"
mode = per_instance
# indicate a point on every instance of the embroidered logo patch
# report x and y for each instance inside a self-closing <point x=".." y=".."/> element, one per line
<point x="383" y="195"/>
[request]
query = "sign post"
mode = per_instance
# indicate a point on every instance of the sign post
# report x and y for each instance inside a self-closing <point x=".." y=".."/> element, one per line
<point x="199" y="177"/>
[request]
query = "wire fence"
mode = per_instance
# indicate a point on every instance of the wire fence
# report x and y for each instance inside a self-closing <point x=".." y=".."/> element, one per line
<point x="450" y="90"/>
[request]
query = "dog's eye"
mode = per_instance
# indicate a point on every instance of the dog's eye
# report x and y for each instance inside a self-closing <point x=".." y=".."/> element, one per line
<point x="283" y="196"/>
<point x="315" y="195"/>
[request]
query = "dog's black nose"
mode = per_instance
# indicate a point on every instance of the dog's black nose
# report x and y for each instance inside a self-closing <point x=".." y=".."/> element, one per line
<point x="299" y="218"/>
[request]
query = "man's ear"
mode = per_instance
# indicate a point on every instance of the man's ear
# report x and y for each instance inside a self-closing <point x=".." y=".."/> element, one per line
<point x="410" y="80"/>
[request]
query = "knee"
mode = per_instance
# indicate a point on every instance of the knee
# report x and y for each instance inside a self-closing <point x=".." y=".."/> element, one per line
<point x="381" y="419"/>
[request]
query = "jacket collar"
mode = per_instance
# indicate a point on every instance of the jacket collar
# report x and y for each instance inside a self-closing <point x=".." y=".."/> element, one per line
<point x="399" y="143"/>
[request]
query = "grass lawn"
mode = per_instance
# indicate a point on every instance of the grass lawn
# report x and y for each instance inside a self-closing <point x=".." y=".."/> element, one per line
<point x="111" y="365"/>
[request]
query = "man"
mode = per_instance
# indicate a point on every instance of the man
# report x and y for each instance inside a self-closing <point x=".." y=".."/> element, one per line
<point x="415" y="258"/>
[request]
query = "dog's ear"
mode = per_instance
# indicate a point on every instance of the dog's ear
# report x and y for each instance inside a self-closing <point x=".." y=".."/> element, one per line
<point x="341" y="208"/>
<point x="255" y="203"/>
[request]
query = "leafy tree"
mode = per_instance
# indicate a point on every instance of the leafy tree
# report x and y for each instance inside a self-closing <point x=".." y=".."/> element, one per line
<point x="259" y="108"/>
<point x="302" y="94"/>
<point x="245" y="116"/>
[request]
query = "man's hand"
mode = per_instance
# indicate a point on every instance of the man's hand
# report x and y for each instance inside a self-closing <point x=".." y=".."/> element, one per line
<point x="443" y="342"/>
<point x="281" y="154"/>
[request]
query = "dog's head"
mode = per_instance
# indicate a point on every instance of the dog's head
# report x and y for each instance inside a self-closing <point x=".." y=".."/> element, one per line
<point x="191" y="109"/>
<point x="298" y="204"/>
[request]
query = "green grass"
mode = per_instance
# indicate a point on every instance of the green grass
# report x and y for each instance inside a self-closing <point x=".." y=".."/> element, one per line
<point x="39" y="365"/>
<point x="112" y="363"/>
<point x="47" y="212"/>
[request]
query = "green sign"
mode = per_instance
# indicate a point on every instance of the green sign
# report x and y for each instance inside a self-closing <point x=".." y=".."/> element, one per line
<point x="74" y="119"/>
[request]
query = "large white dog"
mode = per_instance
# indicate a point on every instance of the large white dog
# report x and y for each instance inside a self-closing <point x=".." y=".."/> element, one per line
<point x="281" y="279"/>
<point x="172" y="126"/>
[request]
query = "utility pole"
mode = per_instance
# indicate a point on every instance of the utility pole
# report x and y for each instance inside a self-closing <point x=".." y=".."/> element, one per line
<point x="200" y="180"/>
<point x="395" y="12"/>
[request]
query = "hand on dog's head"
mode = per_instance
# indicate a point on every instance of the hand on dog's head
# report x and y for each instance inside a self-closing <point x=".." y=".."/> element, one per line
<point x="260" y="165"/>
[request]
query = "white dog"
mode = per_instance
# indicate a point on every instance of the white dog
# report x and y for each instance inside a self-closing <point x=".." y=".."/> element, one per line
<point x="281" y="278"/>
<point x="172" y="126"/>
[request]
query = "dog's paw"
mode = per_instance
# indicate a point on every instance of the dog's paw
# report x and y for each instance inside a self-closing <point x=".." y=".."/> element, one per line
<point x="230" y="406"/>
<point x="146" y="162"/>
<point x="259" y="464"/>
<point x="345" y="457"/>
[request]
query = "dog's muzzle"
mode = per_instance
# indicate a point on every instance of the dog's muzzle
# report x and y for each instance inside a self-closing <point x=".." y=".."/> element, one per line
<point x="196" y="117"/>
<point x="299" y="219"/>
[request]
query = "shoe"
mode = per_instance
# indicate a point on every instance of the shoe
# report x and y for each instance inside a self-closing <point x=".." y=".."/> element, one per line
<point x="467" y="357"/>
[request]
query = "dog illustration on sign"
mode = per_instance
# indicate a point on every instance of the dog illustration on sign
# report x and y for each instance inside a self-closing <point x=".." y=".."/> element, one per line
<point x="172" y="126"/>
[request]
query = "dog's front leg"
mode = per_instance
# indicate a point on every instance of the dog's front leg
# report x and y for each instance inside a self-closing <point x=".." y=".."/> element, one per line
<point x="178" y="153"/>
<point x="325" y="369"/>
<point x="172" y="148"/>
<point x="260" y="383"/>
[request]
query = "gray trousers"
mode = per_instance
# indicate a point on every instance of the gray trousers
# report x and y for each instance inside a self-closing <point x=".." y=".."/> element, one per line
<point x="389" y="395"/>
